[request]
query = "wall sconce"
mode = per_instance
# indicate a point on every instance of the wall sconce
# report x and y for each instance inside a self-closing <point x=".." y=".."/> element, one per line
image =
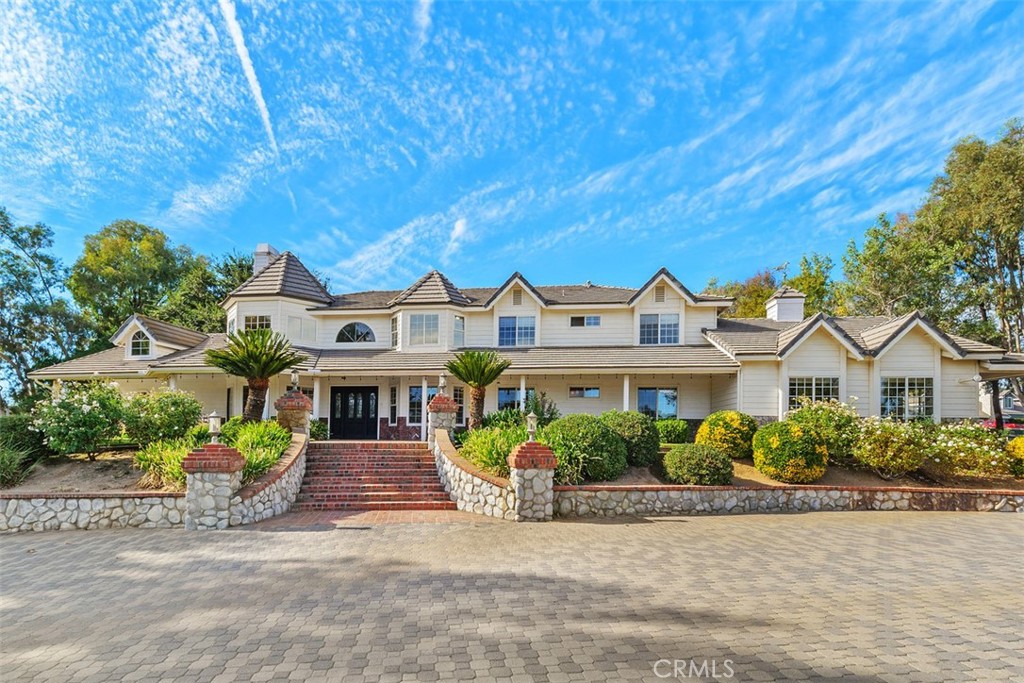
<point x="214" y="421"/>
<point x="531" y="425"/>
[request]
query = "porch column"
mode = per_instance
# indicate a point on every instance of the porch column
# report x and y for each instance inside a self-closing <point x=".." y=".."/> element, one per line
<point x="625" y="392"/>
<point x="172" y="382"/>
<point x="423" y="411"/>
<point x="316" y="398"/>
<point x="522" y="392"/>
<point x="266" y="402"/>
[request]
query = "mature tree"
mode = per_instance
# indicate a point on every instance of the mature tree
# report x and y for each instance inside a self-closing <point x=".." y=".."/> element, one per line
<point x="195" y="301"/>
<point x="126" y="268"/>
<point x="477" y="370"/>
<point x="256" y="355"/>
<point x="37" y="324"/>
<point x="815" y="281"/>
<point x="751" y="294"/>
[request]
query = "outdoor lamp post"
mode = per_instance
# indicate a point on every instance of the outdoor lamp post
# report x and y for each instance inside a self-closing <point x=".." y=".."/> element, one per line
<point x="214" y="421"/>
<point x="295" y="379"/>
<point x="442" y="382"/>
<point x="531" y="425"/>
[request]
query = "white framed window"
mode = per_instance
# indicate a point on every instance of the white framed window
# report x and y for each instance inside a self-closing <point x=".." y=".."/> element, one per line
<point x="459" y="395"/>
<point x="908" y="398"/>
<point x="140" y="345"/>
<point x="584" y="321"/>
<point x="659" y="403"/>
<point x="459" y="332"/>
<point x="393" y="406"/>
<point x="423" y="328"/>
<point x="509" y="397"/>
<point x="417" y="404"/>
<point x="256" y="322"/>
<point x="814" y="388"/>
<point x="355" y="333"/>
<point x="517" y="330"/>
<point x="394" y="332"/>
<point x="659" y="328"/>
<point x="584" y="392"/>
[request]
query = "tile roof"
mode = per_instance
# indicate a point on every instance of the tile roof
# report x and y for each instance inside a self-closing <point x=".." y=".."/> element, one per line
<point x="432" y="288"/>
<point x="284" y="276"/>
<point x="106" y="362"/>
<point x="168" y="333"/>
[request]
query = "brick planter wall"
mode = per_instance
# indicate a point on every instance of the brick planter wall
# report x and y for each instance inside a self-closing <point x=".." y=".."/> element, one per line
<point x="47" y="512"/>
<point x="610" y="501"/>
<point x="274" y="493"/>
<point x="398" y="432"/>
<point x="472" y="489"/>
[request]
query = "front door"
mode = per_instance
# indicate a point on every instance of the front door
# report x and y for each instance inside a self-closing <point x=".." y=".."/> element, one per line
<point x="353" y="413"/>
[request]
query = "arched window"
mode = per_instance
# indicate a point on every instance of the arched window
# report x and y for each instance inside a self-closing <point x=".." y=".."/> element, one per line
<point x="140" y="344"/>
<point x="355" y="332"/>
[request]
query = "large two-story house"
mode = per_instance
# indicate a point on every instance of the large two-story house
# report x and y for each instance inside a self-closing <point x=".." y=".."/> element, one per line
<point x="374" y="358"/>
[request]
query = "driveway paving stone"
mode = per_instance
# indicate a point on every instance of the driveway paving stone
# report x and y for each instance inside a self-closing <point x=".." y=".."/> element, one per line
<point x="864" y="597"/>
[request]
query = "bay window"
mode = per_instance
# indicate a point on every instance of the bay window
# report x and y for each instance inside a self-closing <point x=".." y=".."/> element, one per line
<point x="423" y="329"/>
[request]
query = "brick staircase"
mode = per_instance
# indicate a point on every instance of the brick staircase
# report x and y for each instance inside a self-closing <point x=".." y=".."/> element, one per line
<point x="371" y="475"/>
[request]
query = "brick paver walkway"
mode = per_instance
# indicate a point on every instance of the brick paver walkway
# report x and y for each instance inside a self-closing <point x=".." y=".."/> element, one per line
<point x="820" y="597"/>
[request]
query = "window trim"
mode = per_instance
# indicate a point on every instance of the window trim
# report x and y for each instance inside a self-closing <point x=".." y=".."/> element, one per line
<point x="517" y="331"/>
<point x="394" y="331"/>
<point x="459" y="331"/>
<point x="431" y="393"/>
<point x="148" y="345"/>
<point x="817" y="392"/>
<point x="585" y="321"/>
<point x="904" y="382"/>
<point x="663" y="339"/>
<point x="425" y="341"/>
<point x="393" y="405"/>
<point x="582" y="391"/>
<point x="657" y="400"/>
<point x="365" y="329"/>
<point x="259" y="322"/>
<point x="459" y="396"/>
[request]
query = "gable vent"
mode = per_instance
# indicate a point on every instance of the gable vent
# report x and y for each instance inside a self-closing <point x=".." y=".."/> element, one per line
<point x="517" y="297"/>
<point x="659" y="294"/>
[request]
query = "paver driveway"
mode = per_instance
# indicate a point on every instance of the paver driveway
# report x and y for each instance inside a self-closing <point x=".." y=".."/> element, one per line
<point x="850" y="596"/>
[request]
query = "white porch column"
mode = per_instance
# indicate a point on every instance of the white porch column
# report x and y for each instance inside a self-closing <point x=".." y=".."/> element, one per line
<point x="522" y="392"/>
<point x="266" y="404"/>
<point x="172" y="382"/>
<point x="316" y="398"/>
<point x="625" y="392"/>
<point x="423" y="411"/>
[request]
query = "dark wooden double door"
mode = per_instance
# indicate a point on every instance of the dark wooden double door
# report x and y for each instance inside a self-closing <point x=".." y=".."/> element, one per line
<point x="353" y="413"/>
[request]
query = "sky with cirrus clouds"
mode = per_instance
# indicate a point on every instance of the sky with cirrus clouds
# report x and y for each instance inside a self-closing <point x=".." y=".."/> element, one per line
<point x="571" y="141"/>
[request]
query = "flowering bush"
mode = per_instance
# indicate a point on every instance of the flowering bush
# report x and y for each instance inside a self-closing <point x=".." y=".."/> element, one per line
<point x="489" y="448"/>
<point x="967" y="448"/>
<point x="1015" y="453"/>
<point x="790" y="452"/>
<point x="696" y="465"/>
<point x="835" y="422"/>
<point x="639" y="434"/>
<point x="81" y="417"/>
<point x="890" y="448"/>
<point x="157" y="415"/>
<point x="729" y="431"/>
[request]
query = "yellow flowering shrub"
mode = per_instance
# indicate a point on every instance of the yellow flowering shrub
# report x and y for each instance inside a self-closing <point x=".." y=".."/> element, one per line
<point x="790" y="452"/>
<point x="1015" y="451"/>
<point x="729" y="431"/>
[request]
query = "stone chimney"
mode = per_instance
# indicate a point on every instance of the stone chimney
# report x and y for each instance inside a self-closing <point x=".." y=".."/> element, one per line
<point x="263" y="256"/>
<point x="786" y="305"/>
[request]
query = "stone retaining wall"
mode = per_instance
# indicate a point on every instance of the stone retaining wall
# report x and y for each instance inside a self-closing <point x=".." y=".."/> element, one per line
<point x="45" y="512"/>
<point x="274" y="493"/>
<point x="472" y="489"/>
<point x="610" y="501"/>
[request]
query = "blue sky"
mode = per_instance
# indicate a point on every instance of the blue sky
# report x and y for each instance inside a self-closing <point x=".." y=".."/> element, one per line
<point x="571" y="142"/>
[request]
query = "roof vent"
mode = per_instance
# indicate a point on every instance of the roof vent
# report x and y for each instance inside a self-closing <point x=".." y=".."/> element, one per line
<point x="659" y="294"/>
<point x="517" y="297"/>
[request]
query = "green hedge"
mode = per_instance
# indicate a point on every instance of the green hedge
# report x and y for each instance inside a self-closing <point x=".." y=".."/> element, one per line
<point x="673" y="431"/>
<point x="586" y="449"/>
<point x="639" y="434"/>
<point x="698" y="465"/>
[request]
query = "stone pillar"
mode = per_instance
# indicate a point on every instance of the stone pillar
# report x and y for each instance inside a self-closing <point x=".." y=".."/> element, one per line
<point x="214" y="473"/>
<point x="293" y="411"/>
<point x="441" y="412"/>
<point x="532" y="475"/>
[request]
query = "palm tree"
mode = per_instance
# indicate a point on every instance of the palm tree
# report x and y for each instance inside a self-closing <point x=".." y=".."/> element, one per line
<point x="477" y="369"/>
<point x="256" y="355"/>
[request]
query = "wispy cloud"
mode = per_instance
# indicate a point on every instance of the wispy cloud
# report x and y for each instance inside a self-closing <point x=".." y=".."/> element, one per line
<point x="227" y="9"/>
<point x="421" y="16"/>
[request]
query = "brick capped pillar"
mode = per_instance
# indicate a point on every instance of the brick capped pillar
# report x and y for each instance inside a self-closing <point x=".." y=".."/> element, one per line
<point x="532" y="475"/>
<point x="293" y="411"/>
<point x="441" y="412"/>
<point x="214" y="473"/>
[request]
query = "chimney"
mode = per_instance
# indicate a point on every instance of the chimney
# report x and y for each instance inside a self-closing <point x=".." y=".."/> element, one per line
<point x="786" y="305"/>
<point x="263" y="256"/>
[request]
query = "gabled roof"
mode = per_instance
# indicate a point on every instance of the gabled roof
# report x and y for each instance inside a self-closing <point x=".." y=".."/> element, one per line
<point x="161" y="332"/>
<point x="432" y="288"/>
<point x="791" y="337"/>
<point x="284" y="276"/>
<point x="878" y="338"/>
<point x="514" y="278"/>
<point x="681" y="288"/>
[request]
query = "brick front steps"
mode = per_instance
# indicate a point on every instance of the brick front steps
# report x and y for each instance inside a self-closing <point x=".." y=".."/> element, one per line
<point x="371" y="475"/>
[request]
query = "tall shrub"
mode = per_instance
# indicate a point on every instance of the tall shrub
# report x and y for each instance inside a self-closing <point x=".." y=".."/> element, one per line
<point x="836" y="422"/>
<point x="489" y="448"/>
<point x="81" y="418"/>
<point x="890" y="448"/>
<point x="729" y="431"/>
<point x="790" y="452"/>
<point x="639" y="434"/>
<point x="673" y="431"/>
<point x="585" y="449"/>
<point x="164" y="414"/>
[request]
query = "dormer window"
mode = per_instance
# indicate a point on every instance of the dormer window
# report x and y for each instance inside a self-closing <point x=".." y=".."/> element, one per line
<point x="659" y="294"/>
<point x="140" y="345"/>
<point x="355" y="333"/>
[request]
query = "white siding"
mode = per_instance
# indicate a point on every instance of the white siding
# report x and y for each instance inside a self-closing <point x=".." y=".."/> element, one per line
<point x="911" y="356"/>
<point x="759" y="384"/>
<point x="696" y="320"/>
<point x="820" y="355"/>
<point x="479" y="329"/>
<point x="959" y="390"/>
<point x="858" y="383"/>
<point x="723" y="392"/>
<point x="695" y="396"/>
<point x="616" y="328"/>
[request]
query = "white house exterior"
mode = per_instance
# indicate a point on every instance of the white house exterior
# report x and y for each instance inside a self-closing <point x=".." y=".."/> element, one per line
<point x="374" y="358"/>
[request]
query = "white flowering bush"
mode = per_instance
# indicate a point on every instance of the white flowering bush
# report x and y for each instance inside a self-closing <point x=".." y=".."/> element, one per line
<point x="837" y="423"/>
<point x="890" y="448"/>
<point x="80" y="418"/>
<point x="967" y="448"/>
<point x="161" y="415"/>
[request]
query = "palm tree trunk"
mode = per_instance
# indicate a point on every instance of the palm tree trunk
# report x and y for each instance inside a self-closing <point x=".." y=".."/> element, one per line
<point x="257" y="399"/>
<point x="476" y="406"/>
